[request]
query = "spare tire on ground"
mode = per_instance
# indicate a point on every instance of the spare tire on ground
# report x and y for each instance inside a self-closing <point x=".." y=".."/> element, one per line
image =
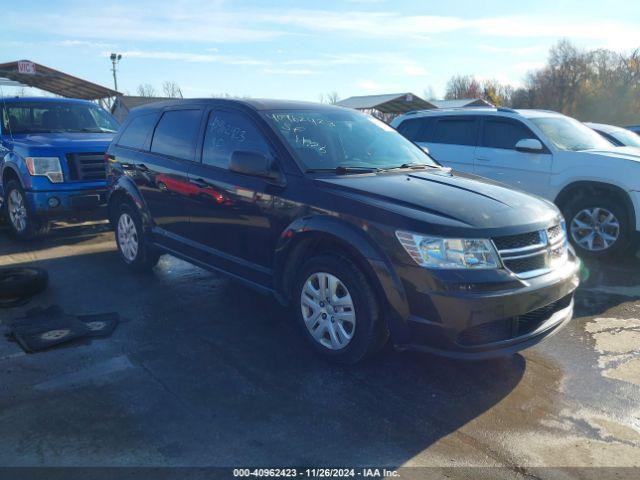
<point x="20" y="283"/>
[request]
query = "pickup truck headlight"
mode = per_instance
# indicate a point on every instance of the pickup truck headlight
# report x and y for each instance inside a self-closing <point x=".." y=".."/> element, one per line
<point x="46" y="167"/>
<point x="449" y="253"/>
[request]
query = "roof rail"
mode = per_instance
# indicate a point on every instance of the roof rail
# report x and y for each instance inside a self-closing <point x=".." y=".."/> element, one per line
<point x="505" y="109"/>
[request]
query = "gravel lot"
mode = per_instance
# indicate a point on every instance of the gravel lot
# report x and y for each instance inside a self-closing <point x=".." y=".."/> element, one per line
<point x="204" y="372"/>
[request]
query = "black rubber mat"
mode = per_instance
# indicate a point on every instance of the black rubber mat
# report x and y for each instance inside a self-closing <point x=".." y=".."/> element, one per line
<point x="41" y="329"/>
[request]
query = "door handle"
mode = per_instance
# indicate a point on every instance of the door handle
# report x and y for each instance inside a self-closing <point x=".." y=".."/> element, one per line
<point x="199" y="182"/>
<point x="483" y="159"/>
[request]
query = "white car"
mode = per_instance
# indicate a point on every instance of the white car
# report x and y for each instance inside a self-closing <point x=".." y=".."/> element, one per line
<point x="596" y="185"/>
<point x="618" y="136"/>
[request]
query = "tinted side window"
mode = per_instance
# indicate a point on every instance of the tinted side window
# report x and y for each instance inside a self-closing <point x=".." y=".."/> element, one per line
<point x="455" y="131"/>
<point x="227" y="132"/>
<point x="138" y="133"/>
<point x="504" y="134"/>
<point x="176" y="132"/>
<point x="416" y="130"/>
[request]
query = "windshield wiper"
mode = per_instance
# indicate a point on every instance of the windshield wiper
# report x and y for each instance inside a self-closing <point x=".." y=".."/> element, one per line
<point x="411" y="165"/>
<point x="341" y="169"/>
<point x="91" y="130"/>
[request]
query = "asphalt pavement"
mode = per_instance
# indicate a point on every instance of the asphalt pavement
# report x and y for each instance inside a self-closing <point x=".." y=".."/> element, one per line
<point x="205" y="372"/>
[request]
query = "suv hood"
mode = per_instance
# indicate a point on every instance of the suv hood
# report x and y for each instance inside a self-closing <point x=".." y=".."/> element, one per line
<point x="624" y="153"/>
<point x="457" y="197"/>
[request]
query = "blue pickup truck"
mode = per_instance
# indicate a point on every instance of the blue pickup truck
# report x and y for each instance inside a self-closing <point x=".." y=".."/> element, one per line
<point x="52" y="161"/>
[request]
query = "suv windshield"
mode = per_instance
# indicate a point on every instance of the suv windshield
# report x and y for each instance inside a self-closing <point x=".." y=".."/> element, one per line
<point x="625" y="137"/>
<point x="48" y="117"/>
<point x="332" y="139"/>
<point x="569" y="134"/>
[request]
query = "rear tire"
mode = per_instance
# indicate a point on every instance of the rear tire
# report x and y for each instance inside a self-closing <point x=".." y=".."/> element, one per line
<point x="23" y="223"/>
<point x="341" y="319"/>
<point x="133" y="245"/>
<point x="598" y="226"/>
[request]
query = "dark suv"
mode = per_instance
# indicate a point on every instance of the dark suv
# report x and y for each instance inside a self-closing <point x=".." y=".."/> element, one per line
<point x="341" y="217"/>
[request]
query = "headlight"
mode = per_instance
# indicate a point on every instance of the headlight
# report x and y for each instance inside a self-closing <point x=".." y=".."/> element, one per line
<point x="45" y="166"/>
<point x="446" y="253"/>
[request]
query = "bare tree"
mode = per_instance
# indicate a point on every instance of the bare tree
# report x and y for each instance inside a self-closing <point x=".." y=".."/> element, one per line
<point x="331" y="98"/>
<point x="467" y="86"/>
<point x="146" y="90"/>
<point x="429" y="93"/>
<point x="463" y="86"/>
<point x="171" y="89"/>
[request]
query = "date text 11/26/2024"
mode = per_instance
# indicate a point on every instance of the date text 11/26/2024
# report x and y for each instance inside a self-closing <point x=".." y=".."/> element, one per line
<point x="316" y="472"/>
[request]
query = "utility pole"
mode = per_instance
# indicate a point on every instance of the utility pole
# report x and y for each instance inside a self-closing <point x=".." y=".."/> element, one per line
<point x="115" y="58"/>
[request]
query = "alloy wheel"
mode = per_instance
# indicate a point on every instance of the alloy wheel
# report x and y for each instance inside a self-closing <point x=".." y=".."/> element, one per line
<point x="17" y="210"/>
<point x="127" y="237"/>
<point x="595" y="229"/>
<point x="328" y="310"/>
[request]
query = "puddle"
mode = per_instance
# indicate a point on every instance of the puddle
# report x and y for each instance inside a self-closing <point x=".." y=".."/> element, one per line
<point x="617" y="342"/>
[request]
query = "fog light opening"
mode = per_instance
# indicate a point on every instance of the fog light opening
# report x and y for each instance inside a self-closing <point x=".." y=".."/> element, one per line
<point x="54" y="202"/>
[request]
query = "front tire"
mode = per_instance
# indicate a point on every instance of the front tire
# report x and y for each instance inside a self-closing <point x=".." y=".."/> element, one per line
<point x="133" y="245"/>
<point x="337" y="310"/>
<point x="597" y="227"/>
<point x="23" y="223"/>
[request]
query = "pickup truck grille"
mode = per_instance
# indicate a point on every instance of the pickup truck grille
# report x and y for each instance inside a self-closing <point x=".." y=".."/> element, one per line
<point x="533" y="253"/>
<point x="86" y="166"/>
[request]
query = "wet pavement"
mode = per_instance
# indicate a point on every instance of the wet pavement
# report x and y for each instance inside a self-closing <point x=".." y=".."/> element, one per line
<point x="205" y="372"/>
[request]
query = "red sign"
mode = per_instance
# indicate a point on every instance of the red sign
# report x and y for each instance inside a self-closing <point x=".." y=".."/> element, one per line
<point x="26" y="67"/>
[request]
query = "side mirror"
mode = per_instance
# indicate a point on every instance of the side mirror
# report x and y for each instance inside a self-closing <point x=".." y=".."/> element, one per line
<point x="425" y="149"/>
<point x="252" y="163"/>
<point x="529" y="145"/>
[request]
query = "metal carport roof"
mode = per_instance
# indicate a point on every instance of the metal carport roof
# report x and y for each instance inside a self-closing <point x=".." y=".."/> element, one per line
<point x="31" y="74"/>
<point x="388" y="103"/>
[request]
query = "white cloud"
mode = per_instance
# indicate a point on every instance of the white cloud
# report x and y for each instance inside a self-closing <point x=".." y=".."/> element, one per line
<point x="369" y="86"/>
<point x="516" y="51"/>
<point x="192" y="57"/>
<point x="524" y="67"/>
<point x="183" y="21"/>
<point x="395" y="25"/>
<point x="217" y="21"/>
<point x="83" y="43"/>
<point x="289" y="71"/>
<point x="415" y="71"/>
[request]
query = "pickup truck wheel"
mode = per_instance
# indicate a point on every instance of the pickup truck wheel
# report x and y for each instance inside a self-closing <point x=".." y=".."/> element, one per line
<point x="133" y="246"/>
<point x="23" y="224"/>
<point x="336" y="309"/>
<point x="597" y="227"/>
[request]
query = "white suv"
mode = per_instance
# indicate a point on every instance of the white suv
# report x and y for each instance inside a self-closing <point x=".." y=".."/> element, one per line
<point x="596" y="185"/>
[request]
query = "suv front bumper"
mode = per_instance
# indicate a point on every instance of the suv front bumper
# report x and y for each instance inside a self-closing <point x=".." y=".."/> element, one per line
<point x="479" y="325"/>
<point x="67" y="203"/>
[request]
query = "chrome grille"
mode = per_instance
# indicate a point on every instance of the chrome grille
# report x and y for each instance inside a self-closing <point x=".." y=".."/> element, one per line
<point x="533" y="253"/>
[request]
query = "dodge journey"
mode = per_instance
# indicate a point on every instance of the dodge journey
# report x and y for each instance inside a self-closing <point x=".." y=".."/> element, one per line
<point x="357" y="229"/>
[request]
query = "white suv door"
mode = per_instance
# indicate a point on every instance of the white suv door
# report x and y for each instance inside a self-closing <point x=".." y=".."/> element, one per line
<point x="451" y="140"/>
<point x="496" y="156"/>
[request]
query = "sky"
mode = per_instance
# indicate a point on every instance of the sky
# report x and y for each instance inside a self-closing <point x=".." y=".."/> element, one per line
<point x="302" y="49"/>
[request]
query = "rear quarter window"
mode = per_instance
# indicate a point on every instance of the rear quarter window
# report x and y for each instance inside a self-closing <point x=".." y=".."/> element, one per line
<point x="455" y="131"/>
<point x="176" y="134"/>
<point x="137" y="134"/>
